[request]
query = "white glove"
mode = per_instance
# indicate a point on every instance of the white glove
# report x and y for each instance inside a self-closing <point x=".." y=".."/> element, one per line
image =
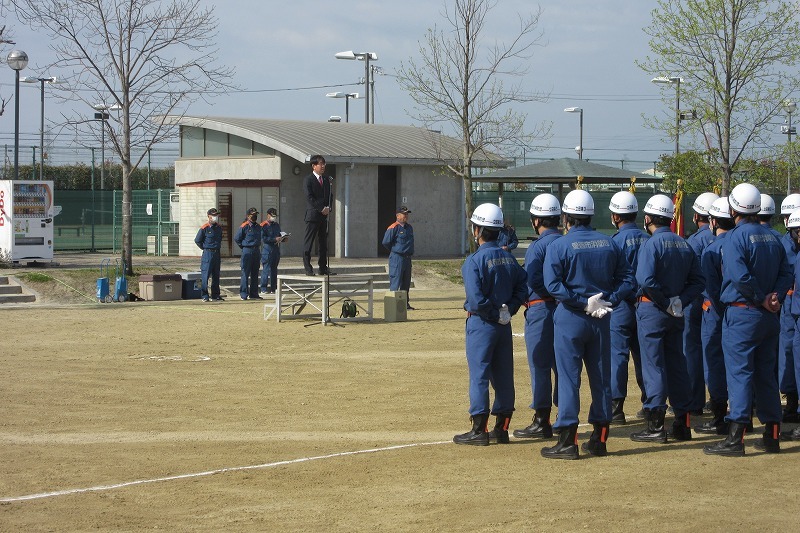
<point x="505" y="316"/>
<point x="675" y="307"/>
<point x="600" y="313"/>
<point x="594" y="303"/>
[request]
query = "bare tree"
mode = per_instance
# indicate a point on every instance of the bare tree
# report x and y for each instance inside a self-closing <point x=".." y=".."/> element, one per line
<point x="143" y="58"/>
<point x="737" y="59"/>
<point x="457" y="85"/>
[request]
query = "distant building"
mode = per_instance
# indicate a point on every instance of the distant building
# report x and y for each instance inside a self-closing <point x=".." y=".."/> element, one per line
<point x="238" y="163"/>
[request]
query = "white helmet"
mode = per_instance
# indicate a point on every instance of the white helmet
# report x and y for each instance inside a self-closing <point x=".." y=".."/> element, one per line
<point x="578" y="202"/>
<point x="703" y="202"/>
<point x="794" y="220"/>
<point x="719" y="209"/>
<point x="487" y="216"/>
<point x="660" y="205"/>
<point x="623" y="202"/>
<point x="745" y="199"/>
<point x="545" y="205"/>
<point x="790" y="204"/>
<point x="767" y="205"/>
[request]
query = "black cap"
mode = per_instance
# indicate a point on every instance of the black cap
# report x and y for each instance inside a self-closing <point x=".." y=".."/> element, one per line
<point x="403" y="209"/>
<point x="252" y="211"/>
<point x="213" y="211"/>
<point x="272" y="211"/>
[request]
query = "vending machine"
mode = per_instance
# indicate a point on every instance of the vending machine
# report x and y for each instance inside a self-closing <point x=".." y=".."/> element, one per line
<point x="26" y="219"/>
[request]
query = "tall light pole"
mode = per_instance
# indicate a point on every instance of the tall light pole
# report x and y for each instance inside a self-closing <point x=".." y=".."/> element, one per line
<point x="365" y="57"/>
<point x="102" y="116"/>
<point x="789" y="106"/>
<point x="42" y="81"/>
<point x="17" y="60"/>
<point x="347" y="97"/>
<point x="676" y="81"/>
<point x="580" y="145"/>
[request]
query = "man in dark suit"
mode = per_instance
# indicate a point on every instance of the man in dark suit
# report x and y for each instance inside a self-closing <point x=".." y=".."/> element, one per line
<point x="317" y="188"/>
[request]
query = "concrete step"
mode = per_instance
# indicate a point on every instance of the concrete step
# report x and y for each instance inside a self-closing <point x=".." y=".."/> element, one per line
<point x="16" y="298"/>
<point x="3" y="280"/>
<point x="10" y="289"/>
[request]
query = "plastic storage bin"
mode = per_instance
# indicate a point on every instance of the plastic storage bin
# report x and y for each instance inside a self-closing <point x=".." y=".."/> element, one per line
<point x="160" y="287"/>
<point x="191" y="285"/>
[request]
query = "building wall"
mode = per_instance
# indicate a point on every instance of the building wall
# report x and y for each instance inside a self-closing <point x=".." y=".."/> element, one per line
<point x="435" y="203"/>
<point x="194" y="203"/>
<point x="229" y="168"/>
<point x="363" y="210"/>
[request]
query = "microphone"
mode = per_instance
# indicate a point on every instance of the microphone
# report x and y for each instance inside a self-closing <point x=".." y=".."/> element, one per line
<point x="330" y="178"/>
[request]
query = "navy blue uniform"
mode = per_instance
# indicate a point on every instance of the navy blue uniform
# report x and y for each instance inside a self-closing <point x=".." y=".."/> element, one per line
<point x="711" y="329"/>
<point x="624" y="335"/>
<point x="577" y="266"/>
<point x="270" y="255"/>
<point x="786" y="359"/>
<point x="668" y="267"/>
<point x="248" y="237"/>
<point x="692" y="320"/>
<point x="399" y="240"/>
<point x="508" y="238"/>
<point x="539" y="324"/>
<point x="209" y="239"/>
<point x="492" y="277"/>
<point x="753" y="265"/>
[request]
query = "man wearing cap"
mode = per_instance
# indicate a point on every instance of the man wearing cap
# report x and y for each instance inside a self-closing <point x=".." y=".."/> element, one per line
<point x="669" y="277"/>
<point x="786" y="356"/>
<point x="209" y="239"/>
<point x="693" y="311"/>
<point x="588" y="274"/>
<point x="399" y="240"/>
<point x="755" y="279"/>
<point x="270" y="251"/>
<point x="248" y="237"/>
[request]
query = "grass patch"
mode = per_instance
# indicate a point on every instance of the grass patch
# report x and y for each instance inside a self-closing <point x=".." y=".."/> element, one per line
<point x="448" y="269"/>
<point x="36" y="277"/>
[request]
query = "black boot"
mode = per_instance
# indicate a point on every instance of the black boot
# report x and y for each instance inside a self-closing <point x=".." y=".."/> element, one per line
<point x="654" y="432"/>
<point x="567" y="447"/>
<point x="681" y="430"/>
<point x="770" y="441"/>
<point x="596" y="445"/>
<point x="500" y="432"/>
<point x="477" y="436"/>
<point x="717" y="425"/>
<point x="793" y="434"/>
<point x="617" y="414"/>
<point x="540" y="428"/>
<point x="733" y="446"/>
<point x="790" y="411"/>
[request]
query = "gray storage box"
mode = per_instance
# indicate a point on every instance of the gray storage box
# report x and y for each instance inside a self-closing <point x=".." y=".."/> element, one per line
<point x="160" y="287"/>
<point x="394" y="306"/>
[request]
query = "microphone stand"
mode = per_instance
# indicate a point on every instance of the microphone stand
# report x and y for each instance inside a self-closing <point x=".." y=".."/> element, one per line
<point x="327" y="295"/>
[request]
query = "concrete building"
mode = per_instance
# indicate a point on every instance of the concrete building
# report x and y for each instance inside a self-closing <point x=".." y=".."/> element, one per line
<point x="238" y="163"/>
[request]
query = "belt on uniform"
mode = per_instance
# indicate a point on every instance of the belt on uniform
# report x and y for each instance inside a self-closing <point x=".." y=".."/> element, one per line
<point x="211" y="249"/>
<point x="743" y="305"/>
<point x="706" y="305"/>
<point x="403" y="255"/>
<point x="540" y="300"/>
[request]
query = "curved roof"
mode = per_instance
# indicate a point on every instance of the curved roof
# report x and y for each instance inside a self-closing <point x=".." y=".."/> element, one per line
<point x="341" y="142"/>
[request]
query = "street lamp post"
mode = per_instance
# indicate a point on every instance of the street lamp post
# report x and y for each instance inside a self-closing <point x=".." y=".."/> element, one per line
<point x="580" y="145"/>
<point x="17" y="60"/>
<point x="347" y="97"/>
<point x="365" y="57"/>
<point x="789" y="106"/>
<point x="42" y="81"/>
<point x="676" y="81"/>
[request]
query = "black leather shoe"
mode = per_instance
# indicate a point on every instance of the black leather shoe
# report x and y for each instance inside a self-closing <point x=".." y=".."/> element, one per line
<point x="540" y="428"/>
<point x="770" y="440"/>
<point x="567" y="447"/>
<point x="732" y="446"/>
<point x="310" y="273"/>
<point x="326" y="272"/>
<point x="680" y="429"/>
<point x="596" y="445"/>
<point x="500" y="432"/>
<point x="477" y="436"/>
<point x="654" y="432"/>
<point x="791" y="435"/>
<point x="617" y="413"/>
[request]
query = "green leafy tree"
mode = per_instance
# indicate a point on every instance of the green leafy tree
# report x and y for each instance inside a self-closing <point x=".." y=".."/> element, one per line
<point x="698" y="170"/>
<point x="458" y="86"/>
<point x="737" y="60"/>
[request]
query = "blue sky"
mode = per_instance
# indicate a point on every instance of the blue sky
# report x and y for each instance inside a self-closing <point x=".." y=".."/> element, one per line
<point x="586" y="60"/>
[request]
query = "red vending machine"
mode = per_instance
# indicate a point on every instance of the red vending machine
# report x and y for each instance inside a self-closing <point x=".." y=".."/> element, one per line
<point x="26" y="220"/>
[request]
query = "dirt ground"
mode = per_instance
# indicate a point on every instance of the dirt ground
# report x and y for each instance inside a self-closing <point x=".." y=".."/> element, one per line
<point x="185" y="416"/>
